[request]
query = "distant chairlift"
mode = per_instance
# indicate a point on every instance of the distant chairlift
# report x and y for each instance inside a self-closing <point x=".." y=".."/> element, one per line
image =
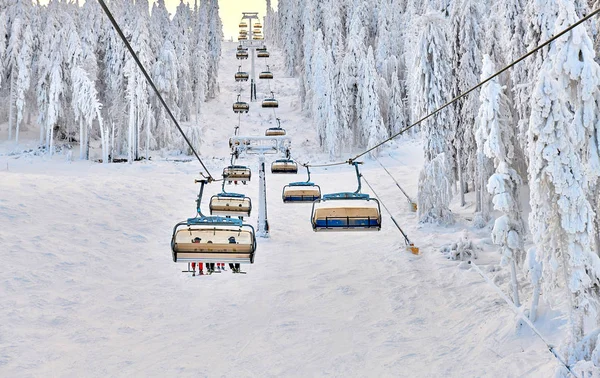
<point x="230" y="204"/>
<point x="266" y="74"/>
<point x="212" y="239"/>
<point x="262" y="54"/>
<point x="345" y="211"/>
<point x="270" y="102"/>
<point x="235" y="173"/>
<point x="284" y="166"/>
<point x="243" y="24"/>
<point x="241" y="54"/>
<point x="303" y="191"/>
<point x="240" y="106"/>
<point x="241" y="75"/>
<point x="258" y="25"/>
<point x="257" y="37"/>
<point x="275" y="131"/>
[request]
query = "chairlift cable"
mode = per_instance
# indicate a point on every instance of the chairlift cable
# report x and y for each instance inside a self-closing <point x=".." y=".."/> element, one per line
<point x="398" y="185"/>
<point x="460" y="96"/>
<point x="149" y="80"/>
<point x="406" y="240"/>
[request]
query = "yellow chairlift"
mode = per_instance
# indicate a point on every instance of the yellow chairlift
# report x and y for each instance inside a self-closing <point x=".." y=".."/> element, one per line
<point x="241" y="75"/>
<point x="240" y="106"/>
<point x="212" y="239"/>
<point x="270" y="102"/>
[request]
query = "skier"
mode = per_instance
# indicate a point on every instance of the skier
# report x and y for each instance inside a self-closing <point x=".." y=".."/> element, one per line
<point x="234" y="268"/>
<point x="200" y="266"/>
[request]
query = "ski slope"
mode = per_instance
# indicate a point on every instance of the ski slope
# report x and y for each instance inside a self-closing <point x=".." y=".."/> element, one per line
<point x="88" y="286"/>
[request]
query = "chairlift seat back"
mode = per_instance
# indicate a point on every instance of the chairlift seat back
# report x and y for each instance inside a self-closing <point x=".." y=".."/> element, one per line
<point x="237" y="173"/>
<point x="301" y="193"/>
<point x="284" y="166"/>
<point x="270" y="103"/>
<point x="263" y="54"/>
<point x="230" y="204"/>
<point x="241" y="107"/>
<point x="265" y="75"/>
<point x="241" y="76"/>
<point x="357" y="213"/>
<point x="275" y="131"/>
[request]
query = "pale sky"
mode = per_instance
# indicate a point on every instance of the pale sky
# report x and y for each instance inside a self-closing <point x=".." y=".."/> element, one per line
<point x="230" y="10"/>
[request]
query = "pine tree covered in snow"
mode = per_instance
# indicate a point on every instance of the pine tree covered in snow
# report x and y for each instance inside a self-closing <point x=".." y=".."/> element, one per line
<point x="496" y="139"/>
<point x="430" y="72"/>
<point x="564" y="166"/>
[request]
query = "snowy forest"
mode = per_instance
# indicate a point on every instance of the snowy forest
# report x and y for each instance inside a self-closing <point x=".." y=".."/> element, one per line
<point x="524" y="147"/>
<point x="64" y="71"/>
<point x="369" y="69"/>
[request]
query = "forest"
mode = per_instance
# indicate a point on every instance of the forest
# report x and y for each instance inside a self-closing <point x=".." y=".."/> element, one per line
<point x="65" y="71"/>
<point x="368" y="70"/>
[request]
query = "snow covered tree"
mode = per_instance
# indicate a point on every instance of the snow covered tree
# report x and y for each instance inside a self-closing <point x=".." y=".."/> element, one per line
<point x="496" y="139"/>
<point x="466" y="18"/>
<point x="23" y="72"/>
<point x="430" y="71"/>
<point x="564" y="166"/>
<point x="372" y="129"/>
<point x="215" y="35"/>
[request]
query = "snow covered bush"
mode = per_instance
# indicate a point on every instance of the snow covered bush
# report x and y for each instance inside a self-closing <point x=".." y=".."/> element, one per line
<point x="463" y="249"/>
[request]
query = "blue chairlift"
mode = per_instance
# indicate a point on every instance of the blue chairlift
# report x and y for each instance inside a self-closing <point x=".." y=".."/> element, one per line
<point x="347" y="211"/>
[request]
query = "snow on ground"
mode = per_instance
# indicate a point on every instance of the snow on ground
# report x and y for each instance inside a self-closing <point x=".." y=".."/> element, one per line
<point x="88" y="287"/>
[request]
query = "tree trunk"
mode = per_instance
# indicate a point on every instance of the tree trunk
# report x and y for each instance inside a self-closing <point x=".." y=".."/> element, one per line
<point x="461" y="180"/>
<point x="515" y="282"/>
<point x="11" y="104"/>
<point x="81" y="139"/>
<point x="534" y="302"/>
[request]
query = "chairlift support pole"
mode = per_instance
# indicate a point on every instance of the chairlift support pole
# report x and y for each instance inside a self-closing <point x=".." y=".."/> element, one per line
<point x="261" y="146"/>
<point x="250" y="16"/>
<point x="263" y="223"/>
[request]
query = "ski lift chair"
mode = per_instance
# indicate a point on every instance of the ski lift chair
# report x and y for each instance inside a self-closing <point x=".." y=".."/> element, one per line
<point x="234" y="173"/>
<point x="275" y="131"/>
<point x="242" y="37"/>
<point x="270" y="102"/>
<point x="212" y="239"/>
<point x="258" y="25"/>
<point x="241" y="75"/>
<point x="262" y="54"/>
<point x="257" y="37"/>
<point x="240" y="106"/>
<point x="241" y="54"/>
<point x="303" y="191"/>
<point x="243" y="24"/>
<point x="345" y="211"/>
<point x="266" y="74"/>
<point x="262" y="48"/>
<point x="284" y="166"/>
<point x="230" y="204"/>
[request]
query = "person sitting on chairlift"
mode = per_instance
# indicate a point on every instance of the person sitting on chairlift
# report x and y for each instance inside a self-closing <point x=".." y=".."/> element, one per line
<point x="235" y="268"/>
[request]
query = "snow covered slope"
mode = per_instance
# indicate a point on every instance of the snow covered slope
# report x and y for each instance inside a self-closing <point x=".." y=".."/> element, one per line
<point x="88" y="287"/>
